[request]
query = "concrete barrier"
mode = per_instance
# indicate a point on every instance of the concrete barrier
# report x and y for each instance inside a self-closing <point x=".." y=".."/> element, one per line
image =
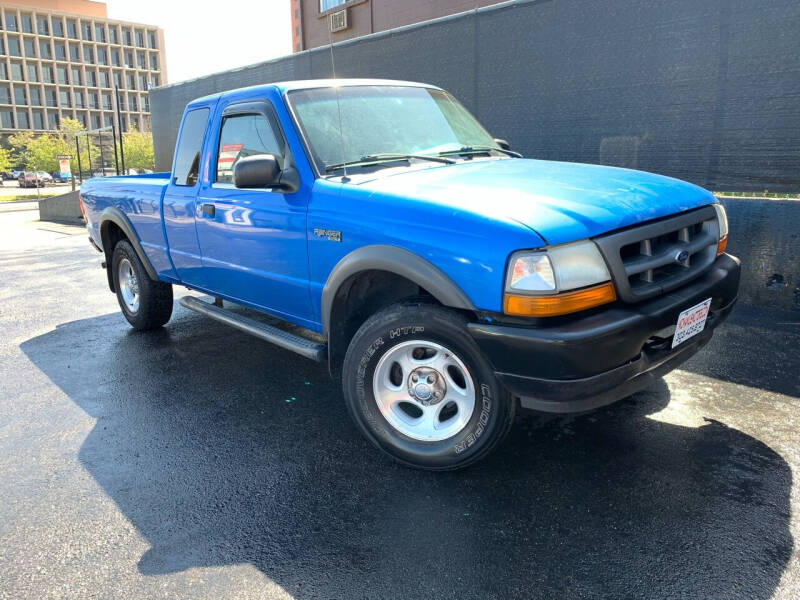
<point x="62" y="209"/>
<point x="765" y="235"/>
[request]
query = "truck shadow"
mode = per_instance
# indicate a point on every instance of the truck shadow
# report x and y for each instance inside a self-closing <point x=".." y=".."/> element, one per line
<point x="221" y="450"/>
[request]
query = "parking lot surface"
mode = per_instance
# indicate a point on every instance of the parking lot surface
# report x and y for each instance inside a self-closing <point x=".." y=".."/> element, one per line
<point x="198" y="462"/>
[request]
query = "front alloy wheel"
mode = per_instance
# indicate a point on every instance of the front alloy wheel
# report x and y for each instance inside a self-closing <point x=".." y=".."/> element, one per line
<point x="419" y="388"/>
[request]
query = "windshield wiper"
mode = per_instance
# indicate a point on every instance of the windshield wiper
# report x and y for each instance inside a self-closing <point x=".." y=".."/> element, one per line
<point x="479" y="150"/>
<point x="384" y="158"/>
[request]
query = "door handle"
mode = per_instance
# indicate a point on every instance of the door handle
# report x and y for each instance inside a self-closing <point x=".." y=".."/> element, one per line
<point x="209" y="210"/>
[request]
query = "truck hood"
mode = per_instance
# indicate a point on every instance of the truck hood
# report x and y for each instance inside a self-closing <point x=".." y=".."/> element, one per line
<point x="562" y="202"/>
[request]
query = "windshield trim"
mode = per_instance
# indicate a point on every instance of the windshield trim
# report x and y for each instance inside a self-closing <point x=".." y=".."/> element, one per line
<point x="320" y="174"/>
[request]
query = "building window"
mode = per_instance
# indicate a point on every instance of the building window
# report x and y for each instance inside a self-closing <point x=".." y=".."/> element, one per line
<point x="91" y="78"/>
<point x="96" y="122"/>
<point x="105" y="81"/>
<point x="32" y="74"/>
<point x="19" y="95"/>
<point x="329" y="4"/>
<point x="72" y="29"/>
<point x="117" y="79"/>
<point x="130" y="81"/>
<point x="127" y="36"/>
<point x="50" y="97"/>
<point x="44" y="49"/>
<point x="13" y="46"/>
<point x="63" y="98"/>
<point x="11" y="20"/>
<point x="36" y="96"/>
<point x="58" y="27"/>
<point x="22" y="120"/>
<point x="113" y="35"/>
<point x="128" y="59"/>
<point x="146" y="103"/>
<point x="30" y="47"/>
<point x="151" y="39"/>
<point x="142" y="82"/>
<point x="42" y="26"/>
<point x="102" y="57"/>
<point x="47" y="74"/>
<point x="52" y="120"/>
<point x="5" y="94"/>
<point x="86" y="31"/>
<point x="92" y="99"/>
<point x="140" y="38"/>
<point x="105" y="100"/>
<point x="88" y="55"/>
<point x="115" y="57"/>
<point x="76" y="76"/>
<point x="132" y="102"/>
<point x="74" y="53"/>
<point x="27" y="24"/>
<point x="61" y="51"/>
<point x="107" y="120"/>
<point x="141" y="60"/>
<point x="6" y="119"/>
<point x="3" y="71"/>
<point x="154" y="81"/>
<point x="38" y="119"/>
<point x="61" y="74"/>
<point x="78" y="97"/>
<point x="154" y="62"/>
<point x="16" y="72"/>
<point x="99" y="33"/>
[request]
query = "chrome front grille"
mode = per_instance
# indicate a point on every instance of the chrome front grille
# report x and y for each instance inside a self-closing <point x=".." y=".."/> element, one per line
<point x="654" y="258"/>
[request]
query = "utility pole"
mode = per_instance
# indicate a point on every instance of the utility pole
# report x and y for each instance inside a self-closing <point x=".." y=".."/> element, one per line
<point x="119" y="123"/>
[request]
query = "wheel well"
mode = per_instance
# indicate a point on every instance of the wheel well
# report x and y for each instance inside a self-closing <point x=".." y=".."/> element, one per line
<point x="360" y="296"/>
<point x="110" y="235"/>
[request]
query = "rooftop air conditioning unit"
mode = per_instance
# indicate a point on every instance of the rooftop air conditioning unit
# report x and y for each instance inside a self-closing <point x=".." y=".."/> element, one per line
<point x="338" y="20"/>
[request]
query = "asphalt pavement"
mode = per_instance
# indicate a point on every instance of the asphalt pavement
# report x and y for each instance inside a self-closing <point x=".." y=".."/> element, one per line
<point x="198" y="462"/>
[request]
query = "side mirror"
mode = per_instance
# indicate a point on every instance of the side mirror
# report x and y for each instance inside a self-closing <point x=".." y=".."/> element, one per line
<point x="502" y="143"/>
<point x="257" y="171"/>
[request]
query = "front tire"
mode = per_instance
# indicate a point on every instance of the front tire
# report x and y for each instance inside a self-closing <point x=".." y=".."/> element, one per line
<point x="146" y="303"/>
<point x="419" y="389"/>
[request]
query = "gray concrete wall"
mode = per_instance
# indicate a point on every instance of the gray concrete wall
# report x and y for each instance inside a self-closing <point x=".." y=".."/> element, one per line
<point x="63" y="208"/>
<point x="765" y="235"/>
<point x="703" y="90"/>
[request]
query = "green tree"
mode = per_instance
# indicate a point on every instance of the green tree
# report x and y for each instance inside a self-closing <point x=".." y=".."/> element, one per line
<point x="5" y="160"/>
<point x="138" y="147"/>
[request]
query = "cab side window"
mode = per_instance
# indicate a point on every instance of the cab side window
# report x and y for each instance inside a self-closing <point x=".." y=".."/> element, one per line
<point x="245" y="135"/>
<point x="187" y="153"/>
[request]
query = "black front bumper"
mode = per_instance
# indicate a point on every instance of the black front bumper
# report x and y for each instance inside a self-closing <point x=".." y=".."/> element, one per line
<point x="587" y="361"/>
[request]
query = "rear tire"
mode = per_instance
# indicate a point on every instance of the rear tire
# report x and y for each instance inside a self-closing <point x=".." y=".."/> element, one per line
<point x="146" y="303"/>
<point x="456" y="417"/>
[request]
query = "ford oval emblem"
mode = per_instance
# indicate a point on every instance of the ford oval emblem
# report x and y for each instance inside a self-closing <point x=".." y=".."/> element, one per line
<point x="682" y="256"/>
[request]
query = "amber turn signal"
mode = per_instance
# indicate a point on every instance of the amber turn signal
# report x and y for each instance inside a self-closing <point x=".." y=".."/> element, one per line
<point x="558" y="304"/>
<point x="723" y="243"/>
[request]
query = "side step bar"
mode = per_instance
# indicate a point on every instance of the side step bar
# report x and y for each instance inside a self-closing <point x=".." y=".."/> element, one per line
<point x="302" y="346"/>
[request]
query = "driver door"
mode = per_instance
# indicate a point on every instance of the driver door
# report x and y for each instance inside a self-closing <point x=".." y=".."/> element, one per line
<point x="253" y="241"/>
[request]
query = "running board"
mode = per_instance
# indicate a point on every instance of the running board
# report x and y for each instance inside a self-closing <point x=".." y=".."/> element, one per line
<point x="302" y="346"/>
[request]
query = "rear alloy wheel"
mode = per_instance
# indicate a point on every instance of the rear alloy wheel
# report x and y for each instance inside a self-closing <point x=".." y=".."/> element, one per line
<point x="419" y="388"/>
<point x="146" y="303"/>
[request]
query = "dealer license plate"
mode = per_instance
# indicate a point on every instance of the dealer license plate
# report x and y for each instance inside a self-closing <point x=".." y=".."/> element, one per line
<point x="691" y="322"/>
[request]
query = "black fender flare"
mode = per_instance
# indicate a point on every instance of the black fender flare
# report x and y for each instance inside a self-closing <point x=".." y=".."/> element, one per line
<point x="116" y="216"/>
<point x="394" y="260"/>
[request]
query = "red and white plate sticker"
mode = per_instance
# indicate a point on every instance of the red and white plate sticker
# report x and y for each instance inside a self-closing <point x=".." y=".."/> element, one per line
<point x="691" y="322"/>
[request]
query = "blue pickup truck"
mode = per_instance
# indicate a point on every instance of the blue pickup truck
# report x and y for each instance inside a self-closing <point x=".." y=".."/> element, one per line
<point x="446" y="280"/>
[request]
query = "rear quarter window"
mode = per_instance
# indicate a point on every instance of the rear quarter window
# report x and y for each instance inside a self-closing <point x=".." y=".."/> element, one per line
<point x="189" y="147"/>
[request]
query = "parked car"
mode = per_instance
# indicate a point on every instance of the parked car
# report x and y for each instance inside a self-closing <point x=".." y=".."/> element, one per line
<point x="30" y="179"/>
<point x="45" y="176"/>
<point x="16" y="173"/>
<point x="59" y="178"/>
<point x="445" y="280"/>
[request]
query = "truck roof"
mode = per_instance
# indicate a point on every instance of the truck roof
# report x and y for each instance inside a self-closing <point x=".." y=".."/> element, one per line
<point x="287" y="86"/>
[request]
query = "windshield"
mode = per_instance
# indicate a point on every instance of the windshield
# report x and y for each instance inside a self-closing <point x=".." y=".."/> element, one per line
<point x="383" y="119"/>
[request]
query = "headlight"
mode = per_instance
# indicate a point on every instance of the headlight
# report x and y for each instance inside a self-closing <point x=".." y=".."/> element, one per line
<point x="561" y="268"/>
<point x="722" y="220"/>
<point x="541" y="284"/>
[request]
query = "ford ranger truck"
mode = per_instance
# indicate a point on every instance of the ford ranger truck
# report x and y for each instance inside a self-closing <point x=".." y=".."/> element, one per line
<point x="446" y="280"/>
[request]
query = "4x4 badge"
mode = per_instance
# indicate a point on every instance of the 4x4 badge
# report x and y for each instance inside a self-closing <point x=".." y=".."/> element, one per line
<point x="332" y="234"/>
